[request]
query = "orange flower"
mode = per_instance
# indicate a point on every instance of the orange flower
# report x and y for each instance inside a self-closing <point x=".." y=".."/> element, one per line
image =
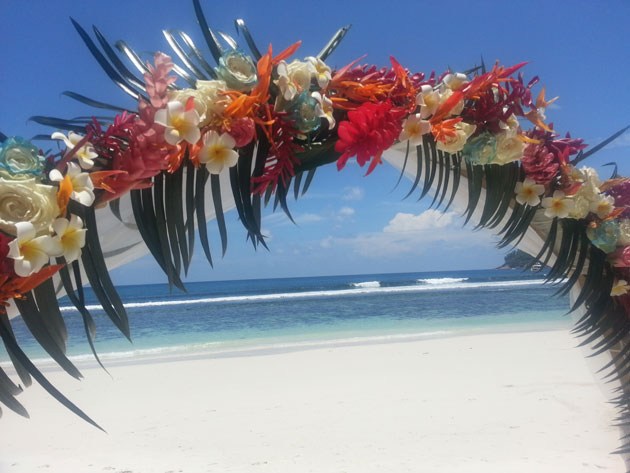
<point x="14" y="288"/>
<point x="445" y="129"/>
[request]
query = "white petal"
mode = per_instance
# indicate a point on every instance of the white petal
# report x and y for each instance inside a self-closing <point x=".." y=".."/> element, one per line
<point x="24" y="230"/>
<point x="49" y="245"/>
<point x="191" y="134"/>
<point x="227" y="141"/>
<point x="175" y="108"/>
<point x="160" y="117"/>
<point x="172" y="136"/>
<point x="60" y="226"/>
<point x="55" y="175"/>
<point x="231" y="159"/>
<point x="214" y="167"/>
<point x="23" y="267"/>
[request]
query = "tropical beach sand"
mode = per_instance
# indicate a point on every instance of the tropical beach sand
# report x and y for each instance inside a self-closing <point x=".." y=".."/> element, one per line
<point x="510" y="402"/>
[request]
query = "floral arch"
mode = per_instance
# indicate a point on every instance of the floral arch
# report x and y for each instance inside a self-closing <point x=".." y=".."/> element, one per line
<point x="248" y="130"/>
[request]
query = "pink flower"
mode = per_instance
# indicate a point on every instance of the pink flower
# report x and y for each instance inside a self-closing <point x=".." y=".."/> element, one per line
<point x="242" y="130"/>
<point x="620" y="257"/>
<point x="158" y="80"/>
<point x="539" y="163"/>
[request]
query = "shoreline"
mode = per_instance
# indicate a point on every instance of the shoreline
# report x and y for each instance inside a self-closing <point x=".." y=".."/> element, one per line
<point x="517" y="402"/>
<point x="286" y="344"/>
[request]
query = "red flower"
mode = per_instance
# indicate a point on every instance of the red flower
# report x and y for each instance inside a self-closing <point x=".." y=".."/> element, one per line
<point x="371" y="129"/>
<point x="539" y="163"/>
<point x="620" y="257"/>
<point x="242" y="130"/>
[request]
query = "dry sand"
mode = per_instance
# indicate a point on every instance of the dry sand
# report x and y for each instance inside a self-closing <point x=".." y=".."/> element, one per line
<point x="513" y="402"/>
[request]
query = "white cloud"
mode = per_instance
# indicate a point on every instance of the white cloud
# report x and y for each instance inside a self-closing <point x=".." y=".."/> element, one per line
<point x="408" y="234"/>
<point x="353" y="193"/>
<point x="346" y="211"/>
<point x="308" y="218"/>
<point x="427" y="220"/>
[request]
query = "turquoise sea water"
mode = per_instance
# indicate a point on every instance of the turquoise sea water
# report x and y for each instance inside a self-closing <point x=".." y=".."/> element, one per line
<point x="237" y="315"/>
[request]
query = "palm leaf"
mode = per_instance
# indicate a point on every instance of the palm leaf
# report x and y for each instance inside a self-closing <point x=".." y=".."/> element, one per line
<point x="333" y="43"/>
<point x="242" y="28"/>
<point x="211" y="40"/>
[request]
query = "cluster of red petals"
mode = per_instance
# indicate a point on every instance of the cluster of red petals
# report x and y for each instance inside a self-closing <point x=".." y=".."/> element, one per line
<point x="541" y="160"/>
<point x="242" y="130"/>
<point x="621" y="193"/>
<point x="370" y="129"/>
<point x="281" y="159"/>
<point x="539" y="163"/>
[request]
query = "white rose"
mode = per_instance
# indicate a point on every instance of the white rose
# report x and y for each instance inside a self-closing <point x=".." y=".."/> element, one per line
<point x="509" y="148"/>
<point x="580" y="208"/>
<point x="300" y="73"/>
<point x="624" y="232"/>
<point x="456" y="143"/>
<point x="209" y="102"/>
<point x="27" y="201"/>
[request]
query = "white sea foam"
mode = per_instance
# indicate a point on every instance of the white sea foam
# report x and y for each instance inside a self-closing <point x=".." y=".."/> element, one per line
<point x="441" y="280"/>
<point x="330" y="293"/>
<point x="366" y="284"/>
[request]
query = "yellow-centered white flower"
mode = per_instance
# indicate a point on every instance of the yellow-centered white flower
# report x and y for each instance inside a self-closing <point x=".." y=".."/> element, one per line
<point x="413" y="128"/>
<point x="321" y="71"/>
<point x="82" y="186"/>
<point x="455" y="81"/>
<point x="85" y="155"/>
<point x="70" y="237"/>
<point x="620" y="288"/>
<point x="428" y="100"/>
<point x="603" y="206"/>
<point x="181" y="124"/>
<point x="218" y="152"/>
<point x="558" y="205"/>
<point x="325" y="108"/>
<point x="528" y="192"/>
<point x="31" y="252"/>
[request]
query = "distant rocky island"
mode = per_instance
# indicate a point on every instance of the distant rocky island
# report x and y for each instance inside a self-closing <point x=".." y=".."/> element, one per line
<point x="517" y="259"/>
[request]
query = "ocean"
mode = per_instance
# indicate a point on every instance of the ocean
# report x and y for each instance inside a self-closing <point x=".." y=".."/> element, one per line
<point x="295" y="313"/>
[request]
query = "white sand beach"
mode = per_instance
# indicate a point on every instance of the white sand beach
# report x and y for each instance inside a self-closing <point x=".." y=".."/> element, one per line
<point x="510" y="402"/>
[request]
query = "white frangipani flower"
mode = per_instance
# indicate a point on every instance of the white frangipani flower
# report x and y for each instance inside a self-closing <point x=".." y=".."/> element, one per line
<point x="413" y="128"/>
<point x="428" y="100"/>
<point x="326" y="108"/>
<point x="528" y="192"/>
<point x="82" y="186"/>
<point x="455" y="81"/>
<point x="31" y="252"/>
<point x="558" y="205"/>
<point x="603" y="206"/>
<point x="86" y="154"/>
<point x="70" y="236"/>
<point x="321" y="71"/>
<point x="218" y="152"/>
<point x="181" y="122"/>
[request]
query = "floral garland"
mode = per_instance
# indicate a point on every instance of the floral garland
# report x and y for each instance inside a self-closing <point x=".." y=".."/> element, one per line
<point x="295" y="115"/>
<point x="370" y="109"/>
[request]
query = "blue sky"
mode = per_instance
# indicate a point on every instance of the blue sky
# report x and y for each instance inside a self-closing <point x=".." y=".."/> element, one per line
<point x="346" y="223"/>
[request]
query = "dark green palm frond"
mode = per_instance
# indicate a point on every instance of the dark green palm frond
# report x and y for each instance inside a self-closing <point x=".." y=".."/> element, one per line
<point x="78" y="300"/>
<point x="333" y="43"/>
<point x="133" y="57"/>
<point x="196" y="54"/>
<point x="201" y="178"/>
<point x="581" y="156"/>
<point x="176" y="47"/>
<point x="109" y="69"/>
<point x="95" y="103"/>
<point x="15" y="352"/>
<point x="117" y="63"/>
<point x="8" y="391"/>
<point x="211" y="40"/>
<point x="241" y="28"/>
<point x="231" y="42"/>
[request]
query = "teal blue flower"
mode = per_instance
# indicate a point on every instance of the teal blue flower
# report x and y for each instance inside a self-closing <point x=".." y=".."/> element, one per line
<point x="19" y="159"/>
<point x="604" y="236"/>
<point x="237" y="70"/>
<point x="305" y="111"/>
<point x="481" y="149"/>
